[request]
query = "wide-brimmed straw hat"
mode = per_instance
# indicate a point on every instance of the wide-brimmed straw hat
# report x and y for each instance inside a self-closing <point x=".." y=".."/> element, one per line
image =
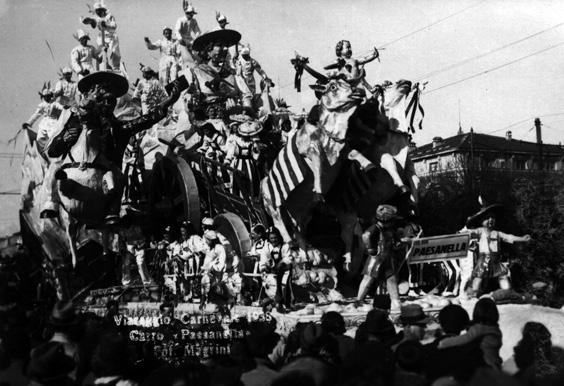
<point x="115" y="82"/>
<point x="386" y="213"/>
<point x="63" y="314"/>
<point x="476" y="219"/>
<point x="249" y="129"/>
<point x="413" y="314"/>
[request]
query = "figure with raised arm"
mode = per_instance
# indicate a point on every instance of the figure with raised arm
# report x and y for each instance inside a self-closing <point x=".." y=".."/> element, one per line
<point x="107" y="40"/>
<point x="84" y="58"/>
<point x="170" y="55"/>
<point x="187" y="30"/>
<point x="482" y="226"/>
<point x="245" y="67"/>
<point x="352" y="68"/>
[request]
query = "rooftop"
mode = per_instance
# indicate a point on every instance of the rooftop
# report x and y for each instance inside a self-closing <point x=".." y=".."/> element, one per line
<point x="483" y="143"/>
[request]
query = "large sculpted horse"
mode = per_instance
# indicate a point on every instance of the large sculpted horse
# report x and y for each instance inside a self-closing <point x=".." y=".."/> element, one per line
<point x="308" y="165"/>
<point x="360" y="194"/>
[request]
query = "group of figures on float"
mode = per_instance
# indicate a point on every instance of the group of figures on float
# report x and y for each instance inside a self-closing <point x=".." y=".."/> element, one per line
<point x="348" y="156"/>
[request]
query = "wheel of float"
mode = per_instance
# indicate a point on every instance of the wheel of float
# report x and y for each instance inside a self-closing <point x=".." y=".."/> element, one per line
<point x="234" y="230"/>
<point x="174" y="193"/>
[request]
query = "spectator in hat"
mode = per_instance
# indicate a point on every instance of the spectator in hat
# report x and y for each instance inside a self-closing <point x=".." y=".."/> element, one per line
<point x="110" y="362"/>
<point x="170" y="56"/>
<point x="149" y="90"/>
<point x="65" y="89"/>
<point x="50" y="366"/>
<point x="485" y="330"/>
<point x="410" y="359"/>
<point x="377" y="327"/>
<point x="65" y="325"/>
<point x="84" y="58"/>
<point x="260" y="342"/>
<point x="333" y="324"/>
<point x="414" y="322"/>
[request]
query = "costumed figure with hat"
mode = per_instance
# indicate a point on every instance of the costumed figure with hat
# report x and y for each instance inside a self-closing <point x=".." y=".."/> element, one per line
<point x="170" y="55"/>
<point x="213" y="142"/>
<point x="352" y="68"/>
<point x="84" y="58"/>
<point x="260" y="251"/>
<point x="65" y="89"/>
<point x="108" y="40"/>
<point x="381" y="243"/>
<point x="149" y="90"/>
<point x="186" y="30"/>
<point x="49" y="110"/>
<point x="52" y="116"/>
<point x="92" y="141"/>
<point x="245" y="67"/>
<point x="414" y="322"/>
<point x="489" y="266"/>
<point x="135" y="249"/>
<point x="187" y="254"/>
<point x="243" y="153"/>
<point x="215" y="269"/>
<point x="163" y="254"/>
<point x="221" y="20"/>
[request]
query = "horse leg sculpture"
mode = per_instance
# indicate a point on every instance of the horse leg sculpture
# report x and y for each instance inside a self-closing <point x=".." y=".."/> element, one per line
<point x="72" y="227"/>
<point x="349" y="224"/>
<point x="388" y="163"/>
<point x="314" y="155"/>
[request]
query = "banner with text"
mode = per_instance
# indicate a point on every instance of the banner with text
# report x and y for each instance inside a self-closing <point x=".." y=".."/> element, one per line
<point x="439" y="248"/>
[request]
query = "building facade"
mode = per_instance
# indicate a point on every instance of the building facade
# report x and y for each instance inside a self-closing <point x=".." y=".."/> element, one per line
<point x="483" y="152"/>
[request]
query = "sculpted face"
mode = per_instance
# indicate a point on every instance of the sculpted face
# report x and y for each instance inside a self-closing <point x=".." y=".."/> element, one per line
<point x="167" y="33"/>
<point x="347" y="49"/>
<point x="489" y="221"/>
<point x="99" y="101"/>
<point x="340" y="95"/>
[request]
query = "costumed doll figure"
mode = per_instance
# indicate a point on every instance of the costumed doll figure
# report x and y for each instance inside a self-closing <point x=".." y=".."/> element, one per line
<point x="170" y="55"/>
<point x="84" y="58"/>
<point x="381" y="242"/>
<point x="245" y="67"/>
<point x="352" y="68"/>
<point x="489" y="266"/>
<point x="243" y="151"/>
<point x="65" y="89"/>
<point x="108" y="40"/>
<point x="187" y="30"/>
<point x="49" y="111"/>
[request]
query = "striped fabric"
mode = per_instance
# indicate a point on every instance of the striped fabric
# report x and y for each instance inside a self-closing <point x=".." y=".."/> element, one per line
<point x="288" y="171"/>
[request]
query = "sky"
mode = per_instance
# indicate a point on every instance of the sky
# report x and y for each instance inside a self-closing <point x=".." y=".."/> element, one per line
<point x="504" y="90"/>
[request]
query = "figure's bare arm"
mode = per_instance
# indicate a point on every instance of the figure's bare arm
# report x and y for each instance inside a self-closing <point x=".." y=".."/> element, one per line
<point x="368" y="58"/>
<point x="508" y="238"/>
<point x="152" y="46"/>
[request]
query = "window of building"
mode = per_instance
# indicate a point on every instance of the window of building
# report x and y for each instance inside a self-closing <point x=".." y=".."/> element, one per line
<point x="433" y="167"/>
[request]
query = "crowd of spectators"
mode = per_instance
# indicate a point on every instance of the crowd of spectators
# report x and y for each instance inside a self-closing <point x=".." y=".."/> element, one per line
<point x="66" y="347"/>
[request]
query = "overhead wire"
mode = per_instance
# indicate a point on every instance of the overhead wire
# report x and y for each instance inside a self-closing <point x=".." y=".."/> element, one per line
<point x="525" y="120"/>
<point x="495" y="68"/>
<point x="468" y="60"/>
<point x="432" y="24"/>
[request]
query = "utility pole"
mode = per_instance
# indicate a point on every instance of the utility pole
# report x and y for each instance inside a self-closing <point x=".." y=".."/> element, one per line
<point x="538" y="125"/>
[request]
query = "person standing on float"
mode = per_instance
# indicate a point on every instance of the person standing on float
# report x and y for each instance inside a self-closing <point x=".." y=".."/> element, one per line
<point x="84" y="58"/>
<point x="65" y="89"/>
<point x="489" y="266"/>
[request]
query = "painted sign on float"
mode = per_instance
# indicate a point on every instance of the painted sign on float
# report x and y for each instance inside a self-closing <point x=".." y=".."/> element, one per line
<point x="438" y="248"/>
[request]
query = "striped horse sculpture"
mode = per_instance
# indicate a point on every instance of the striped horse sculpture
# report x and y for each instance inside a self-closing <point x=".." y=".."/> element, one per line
<point x="309" y="163"/>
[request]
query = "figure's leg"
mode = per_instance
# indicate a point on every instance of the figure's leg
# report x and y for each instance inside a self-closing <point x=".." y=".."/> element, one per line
<point x="314" y="155"/>
<point x="393" y="291"/>
<point x="388" y="163"/>
<point x="50" y="208"/>
<point x="349" y="223"/>
<point x="163" y="71"/>
<point x="72" y="227"/>
<point x="466" y="268"/>
<point x="367" y="280"/>
<point x="504" y="282"/>
<point x="457" y="275"/>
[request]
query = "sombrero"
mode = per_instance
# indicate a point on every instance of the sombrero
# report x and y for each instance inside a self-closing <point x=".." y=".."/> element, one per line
<point x="250" y="128"/>
<point x="227" y="37"/>
<point x="476" y="220"/>
<point x="118" y="84"/>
